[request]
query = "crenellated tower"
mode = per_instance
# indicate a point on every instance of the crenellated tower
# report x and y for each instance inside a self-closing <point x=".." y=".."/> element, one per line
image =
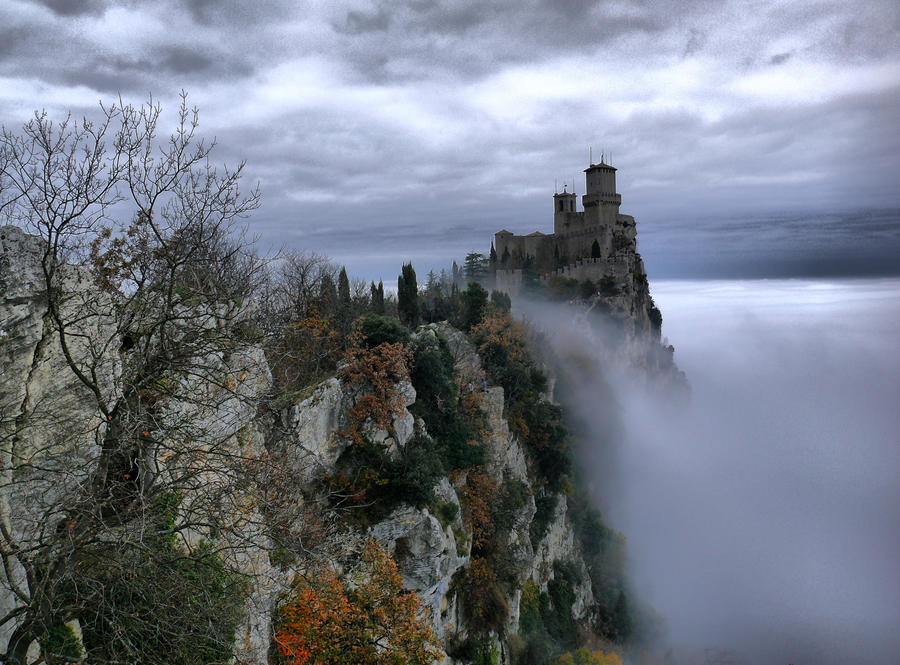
<point x="601" y="201"/>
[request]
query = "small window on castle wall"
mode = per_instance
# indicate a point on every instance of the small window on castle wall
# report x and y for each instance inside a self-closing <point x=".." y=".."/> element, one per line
<point x="560" y="206"/>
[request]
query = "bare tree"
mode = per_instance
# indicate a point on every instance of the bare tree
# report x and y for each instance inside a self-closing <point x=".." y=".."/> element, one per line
<point x="131" y="475"/>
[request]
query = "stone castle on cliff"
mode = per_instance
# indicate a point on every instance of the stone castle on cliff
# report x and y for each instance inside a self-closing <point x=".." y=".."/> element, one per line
<point x="594" y="244"/>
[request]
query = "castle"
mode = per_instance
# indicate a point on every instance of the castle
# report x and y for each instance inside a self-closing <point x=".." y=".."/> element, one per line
<point x="586" y="245"/>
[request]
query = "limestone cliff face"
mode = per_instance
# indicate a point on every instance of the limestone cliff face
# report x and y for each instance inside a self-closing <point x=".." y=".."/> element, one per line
<point x="47" y="416"/>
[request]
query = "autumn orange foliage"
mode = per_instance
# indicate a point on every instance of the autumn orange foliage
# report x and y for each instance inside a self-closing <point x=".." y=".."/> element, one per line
<point x="480" y="494"/>
<point x="375" y="373"/>
<point x="377" y="622"/>
<point x="585" y="657"/>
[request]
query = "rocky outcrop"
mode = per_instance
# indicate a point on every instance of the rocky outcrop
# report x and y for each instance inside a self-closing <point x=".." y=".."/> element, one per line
<point x="50" y="427"/>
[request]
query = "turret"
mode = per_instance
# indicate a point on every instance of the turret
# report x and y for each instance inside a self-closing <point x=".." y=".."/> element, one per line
<point x="563" y="206"/>
<point x="600" y="186"/>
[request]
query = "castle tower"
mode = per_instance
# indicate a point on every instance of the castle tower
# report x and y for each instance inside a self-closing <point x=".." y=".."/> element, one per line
<point x="600" y="187"/>
<point x="563" y="210"/>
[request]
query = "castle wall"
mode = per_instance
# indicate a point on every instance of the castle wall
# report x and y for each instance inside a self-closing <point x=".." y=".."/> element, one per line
<point x="509" y="281"/>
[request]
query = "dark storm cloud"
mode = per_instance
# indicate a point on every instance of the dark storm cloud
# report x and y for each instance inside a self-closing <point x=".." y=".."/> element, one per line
<point x="779" y="58"/>
<point x="402" y="34"/>
<point x="74" y="7"/>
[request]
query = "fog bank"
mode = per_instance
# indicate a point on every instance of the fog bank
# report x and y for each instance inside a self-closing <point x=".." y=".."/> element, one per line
<point x="765" y="519"/>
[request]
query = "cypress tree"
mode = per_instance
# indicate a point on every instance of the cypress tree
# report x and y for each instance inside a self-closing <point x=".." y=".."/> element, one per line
<point x="327" y="297"/>
<point x="474" y="300"/>
<point x="345" y="303"/>
<point x="408" y="296"/>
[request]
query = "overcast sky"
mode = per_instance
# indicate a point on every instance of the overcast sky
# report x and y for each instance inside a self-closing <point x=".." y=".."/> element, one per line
<point x="386" y="130"/>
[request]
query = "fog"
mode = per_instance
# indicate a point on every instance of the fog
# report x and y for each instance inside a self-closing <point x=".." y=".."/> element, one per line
<point x="763" y="518"/>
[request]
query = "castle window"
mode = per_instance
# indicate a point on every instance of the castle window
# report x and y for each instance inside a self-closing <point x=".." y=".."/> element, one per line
<point x="560" y="205"/>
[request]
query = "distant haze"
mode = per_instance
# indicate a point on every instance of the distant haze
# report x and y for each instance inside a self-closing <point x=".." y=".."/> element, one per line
<point x="765" y="518"/>
<point x="382" y="131"/>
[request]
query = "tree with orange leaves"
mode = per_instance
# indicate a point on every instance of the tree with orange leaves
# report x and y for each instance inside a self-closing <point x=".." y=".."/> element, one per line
<point x="374" y="622"/>
<point x="585" y="657"/>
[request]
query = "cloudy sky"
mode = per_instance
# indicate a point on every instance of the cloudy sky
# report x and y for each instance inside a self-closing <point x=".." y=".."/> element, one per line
<point x="383" y="130"/>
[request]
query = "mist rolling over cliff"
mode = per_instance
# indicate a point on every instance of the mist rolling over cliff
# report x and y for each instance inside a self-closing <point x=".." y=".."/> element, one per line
<point x="764" y="518"/>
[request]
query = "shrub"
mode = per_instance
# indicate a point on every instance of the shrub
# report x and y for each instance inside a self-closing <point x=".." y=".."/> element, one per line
<point x="484" y="604"/>
<point x="373" y="622"/>
<point x="159" y="604"/>
<point x="377" y="330"/>
<point x="546" y="508"/>
<point x="447" y="512"/>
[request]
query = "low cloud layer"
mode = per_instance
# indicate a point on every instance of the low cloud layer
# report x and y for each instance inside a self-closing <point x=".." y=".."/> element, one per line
<point x="763" y="519"/>
<point x="365" y="115"/>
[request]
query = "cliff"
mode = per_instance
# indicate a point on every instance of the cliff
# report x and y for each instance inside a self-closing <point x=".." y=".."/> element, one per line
<point x="456" y="462"/>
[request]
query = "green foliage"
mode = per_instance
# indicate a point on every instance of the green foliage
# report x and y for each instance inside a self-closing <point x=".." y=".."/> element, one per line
<point x="437" y="404"/>
<point x="654" y="314"/>
<point x="530" y="608"/>
<point x="500" y="300"/>
<point x="483" y="602"/>
<point x="414" y="474"/>
<point x="377" y="330"/>
<point x="474" y="300"/>
<point x="557" y="613"/>
<point x="502" y="345"/>
<point x="475" y="267"/>
<point x="369" y="478"/>
<point x="60" y="644"/>
<point x="488" y="654"/>
<point x="513" y="495"/>
<point x="408" y="296"/>
<point x="328" y="297"/>
<point x="545" y="618"/>
<point x="546" y="507"/>
<point x="475" y="651"/>
<point x="344" y="302"/>
<point x="595" y="250"/>
<point x="377" y="297"/>
<point x="159" y="604"/>
<point x="447" y="512"/>
<point x="547" y="440"/>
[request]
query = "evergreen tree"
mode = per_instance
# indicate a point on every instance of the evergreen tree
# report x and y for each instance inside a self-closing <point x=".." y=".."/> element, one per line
<point x="377" y="297"/>
<point x="327" y="297"/>
<point x="474" y="299"/>
<point x="493" y="256"/>
<point x="475" y="267"/>
<point x="408" y="296"/>
<point x="456" y="273"/>
<point x="501" y="301"/>
<point x="595" y="250"/>
<point x="345" y="303"/>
